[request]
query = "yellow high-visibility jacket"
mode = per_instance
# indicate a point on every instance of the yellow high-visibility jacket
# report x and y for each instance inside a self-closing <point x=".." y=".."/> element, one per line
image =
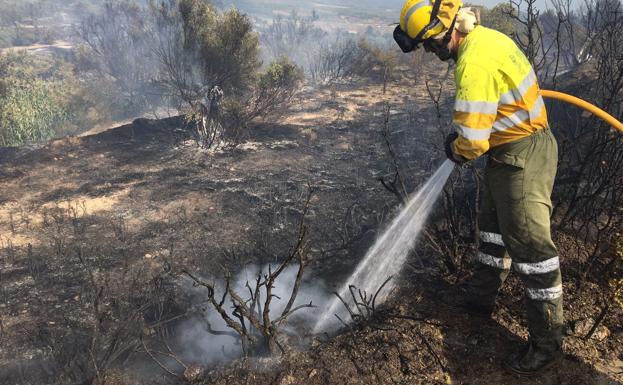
<point x="498" y="99"/>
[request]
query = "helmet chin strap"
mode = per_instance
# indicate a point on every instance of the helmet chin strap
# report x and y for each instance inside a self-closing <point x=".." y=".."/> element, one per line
<point x="448" y="36"/>
<point x="434" y="21"/>
<point x="441" y="47"/>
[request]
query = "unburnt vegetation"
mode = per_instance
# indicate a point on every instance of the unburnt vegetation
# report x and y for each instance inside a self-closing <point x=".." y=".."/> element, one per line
<point x="143" y="254"/>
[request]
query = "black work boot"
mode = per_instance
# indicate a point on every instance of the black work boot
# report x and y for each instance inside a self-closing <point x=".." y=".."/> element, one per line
<point x="533" y="361"/>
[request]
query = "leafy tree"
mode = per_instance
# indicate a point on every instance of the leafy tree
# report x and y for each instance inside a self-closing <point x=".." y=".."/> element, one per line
<point x="198" y="48"/>
<point x="116" y="46"/>
<point x="498" y="18"/>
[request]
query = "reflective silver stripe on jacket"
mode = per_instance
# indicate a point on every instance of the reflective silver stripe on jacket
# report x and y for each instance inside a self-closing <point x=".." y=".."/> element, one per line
<point x="536" y="109"/>
<point x="546" y="266"/>
<point x="411" y="11"/>
<point x="475" y="107"/>
<point x="494" y="238"/>
<point x="474" y="133"/>
<point x="516" y="94"/>
<point x="519" y="116"/>
<point x="490" y="260"/>
<point x="544" y="294"/>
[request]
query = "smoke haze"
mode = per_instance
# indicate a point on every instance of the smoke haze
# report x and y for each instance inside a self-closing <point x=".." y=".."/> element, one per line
<point x="198" y="345"/>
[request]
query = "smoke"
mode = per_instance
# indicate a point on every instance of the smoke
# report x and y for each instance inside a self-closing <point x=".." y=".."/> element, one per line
<point x="317" y="41"/>
<point x="197" y="344"/>
<point x="385" y="258"/>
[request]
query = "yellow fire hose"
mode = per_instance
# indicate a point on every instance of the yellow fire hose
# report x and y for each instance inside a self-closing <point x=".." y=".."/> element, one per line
<point x="598" y="112"/>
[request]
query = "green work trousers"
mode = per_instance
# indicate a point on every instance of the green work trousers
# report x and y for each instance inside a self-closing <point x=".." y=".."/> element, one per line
<point x="515" y="231"/>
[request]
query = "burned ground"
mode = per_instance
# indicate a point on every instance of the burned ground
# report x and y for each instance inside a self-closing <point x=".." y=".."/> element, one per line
<point x="83" y="219"/>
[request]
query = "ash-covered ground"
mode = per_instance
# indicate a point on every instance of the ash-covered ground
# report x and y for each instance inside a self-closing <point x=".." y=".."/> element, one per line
<point x="94" y="228"/>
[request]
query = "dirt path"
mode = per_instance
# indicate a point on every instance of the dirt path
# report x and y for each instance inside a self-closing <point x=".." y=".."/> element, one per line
<point x="59" y="45"/>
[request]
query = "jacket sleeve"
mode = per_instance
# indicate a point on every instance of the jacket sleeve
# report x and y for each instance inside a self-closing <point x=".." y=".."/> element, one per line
<point x="475" y="109"/>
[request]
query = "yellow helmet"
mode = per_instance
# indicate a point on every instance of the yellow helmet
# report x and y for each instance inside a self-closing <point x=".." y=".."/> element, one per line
<point x="422" y="19"/>
<point x="415" y="17"/>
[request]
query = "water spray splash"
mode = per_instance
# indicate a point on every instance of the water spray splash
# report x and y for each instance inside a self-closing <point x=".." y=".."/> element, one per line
<point x="389" y="253"/>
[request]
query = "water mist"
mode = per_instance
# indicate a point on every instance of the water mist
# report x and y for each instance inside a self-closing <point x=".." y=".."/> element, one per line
<point x="389" y="253"/>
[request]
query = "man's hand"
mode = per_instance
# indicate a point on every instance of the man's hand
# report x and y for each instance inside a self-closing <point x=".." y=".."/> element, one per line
<point x="448" y="146"/>
<point x="456" y="158"/>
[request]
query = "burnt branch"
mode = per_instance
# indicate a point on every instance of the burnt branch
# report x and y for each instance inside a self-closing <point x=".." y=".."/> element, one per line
<point x="353" y="315"/>
<point x="373" y="304"/>
<point x="364" y="303"/>
<point x="220" y="332"/>
<point x="431" y="351"/>
<point x="157" y="361"/>
<point x="216" y="304"/>
<point x="250" y="318"/>
<point x="397" y="185"/>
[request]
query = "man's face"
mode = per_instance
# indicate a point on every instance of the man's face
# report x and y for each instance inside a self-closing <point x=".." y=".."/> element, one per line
<point x="443" y="51"/>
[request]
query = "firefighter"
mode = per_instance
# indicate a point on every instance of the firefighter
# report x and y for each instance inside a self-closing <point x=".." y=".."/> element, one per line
<point x="499" y="112"/>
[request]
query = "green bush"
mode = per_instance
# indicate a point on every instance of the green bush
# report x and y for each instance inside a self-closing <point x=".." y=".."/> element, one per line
<point x="376" y="62"/>
<point x="235" y="119"/>
<point x="269" y="97"/>
<point x="33" y="98"/>
<point x="275" y="88"/>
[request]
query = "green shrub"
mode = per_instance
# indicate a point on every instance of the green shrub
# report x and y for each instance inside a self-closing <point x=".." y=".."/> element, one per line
<point x="199" y="47"/>
<point x="376" y="62"/>
<point x="269" y="97"/>
<point x="275" y="88"/>
<point x="34" y="98"/>
<point x="235" y="120"/>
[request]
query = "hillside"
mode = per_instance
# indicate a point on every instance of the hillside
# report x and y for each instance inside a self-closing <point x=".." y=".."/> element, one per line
<point x="77" y="212"/>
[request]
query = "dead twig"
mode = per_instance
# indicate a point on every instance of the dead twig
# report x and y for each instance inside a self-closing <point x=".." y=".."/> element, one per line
<point x="365" y="304"/>
<point x="157" y="361"/>
<point x="432" y="351"/>
<point x="397" y="185"/>
<point x="250" y="318"/>
<point x="378" y="291"/>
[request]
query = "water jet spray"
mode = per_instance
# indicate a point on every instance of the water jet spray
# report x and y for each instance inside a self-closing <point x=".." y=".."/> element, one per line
<point x="389" y="253"/>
